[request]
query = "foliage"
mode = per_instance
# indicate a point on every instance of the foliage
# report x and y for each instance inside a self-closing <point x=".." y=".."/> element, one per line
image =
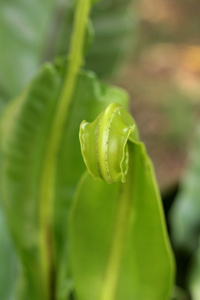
<point x="126" y="235"/>
<point x="41" y="166"/>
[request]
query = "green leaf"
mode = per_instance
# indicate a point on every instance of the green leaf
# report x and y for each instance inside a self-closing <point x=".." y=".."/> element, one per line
<point x="119" y="244"/>
<point x="185" y="212"/>
<point x="25" y="134"/>
<point x="32" y="130"/>
<point x="36" y="129"/>
<point x="89" y="99"/>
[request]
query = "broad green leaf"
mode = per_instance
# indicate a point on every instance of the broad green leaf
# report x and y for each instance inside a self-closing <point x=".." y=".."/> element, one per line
<point x="25" y="134"/>
<point x="119" y="244"/>
<point x="89" y="99"/>
<point x="194" y="276"/>
<point x="32" y="132"/>
<point x="8" y="270"/>
<point x="36" y="129"/>
<point x="185" y="212"/>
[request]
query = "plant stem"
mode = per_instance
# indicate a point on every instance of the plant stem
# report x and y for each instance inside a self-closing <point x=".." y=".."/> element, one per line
<point x="53" y="144"/>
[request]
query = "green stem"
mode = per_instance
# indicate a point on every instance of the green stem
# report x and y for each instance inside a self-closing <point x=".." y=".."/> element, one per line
<point x="58" y="125"/>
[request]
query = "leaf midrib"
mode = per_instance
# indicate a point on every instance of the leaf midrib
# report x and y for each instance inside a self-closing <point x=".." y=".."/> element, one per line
<point x="110" y="281"/>
<point x="47" y="187"/>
